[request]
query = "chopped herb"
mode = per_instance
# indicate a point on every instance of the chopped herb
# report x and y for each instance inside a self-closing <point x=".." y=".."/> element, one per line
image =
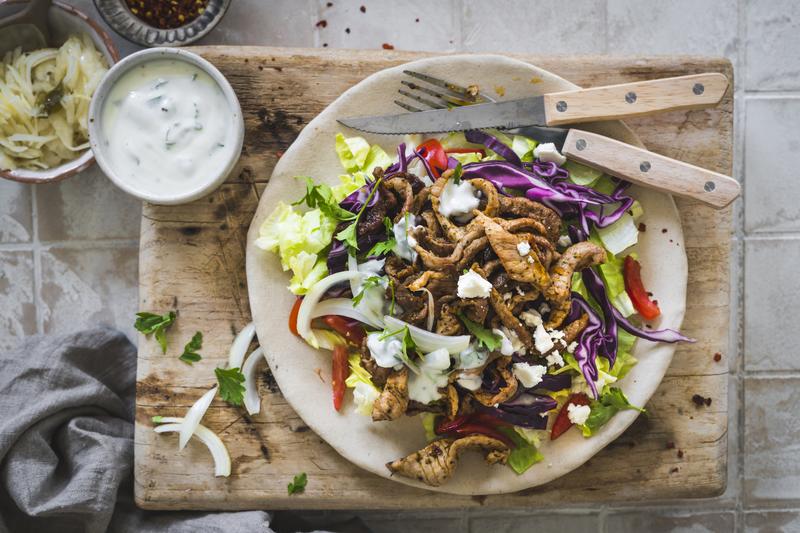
<point x="384" y="247"/>
<point x="456" y="177"/>
<point x="53" y="100"/>
<point x="230" y="385"/>
<point x="321" y="196"/>
<point x="190" y="354"/>
<point x="160" y="83"/>
<point x="298" y="484"/>
<point x="372" y="281"/>
<point x="407" y="341"/>
<point x="485" y="336"/>
<point x="151" y="101"/>
<point x="149" y="323"/>
<point x="610" y="403"/>
<point x="194" y="76"/>
<point x="221" y="145"/>
<point x="391" y="305"/>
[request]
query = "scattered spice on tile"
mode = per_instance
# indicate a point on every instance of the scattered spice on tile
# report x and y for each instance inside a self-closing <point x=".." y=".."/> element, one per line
<point x="670" y="445"/>
<point x="387" y="46"/>
<point x="717" y="357"/>
<point x="322" y="24"/>
<point x="663" y="230"/>
<point x="363" y="9"/>
<point x="416" y="20"/>
<point x="680" y="454"/>
<point x="329" y="4"/>
<point x="500" y="90"/>
<point x="324" y="45"/>
<point x="700" y="401"/>
<point x="673" y="470"/>
<point x="347" y="30"/>
<point x="642" y="227"/>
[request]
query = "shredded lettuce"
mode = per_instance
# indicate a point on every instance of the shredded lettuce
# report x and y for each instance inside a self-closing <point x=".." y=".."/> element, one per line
<point x="349" y="183"/>
<point x="428" y="423"/>
<point x="620" y="235"/>
<point x="523" y="147"/>
<point x="610" y="403"/>
<point x="356" y="154"/>
<point x="298" y="239"/>
<point x="581" y="174"/>
<point x="365" y="392"/>
<point x="524" y="455"/>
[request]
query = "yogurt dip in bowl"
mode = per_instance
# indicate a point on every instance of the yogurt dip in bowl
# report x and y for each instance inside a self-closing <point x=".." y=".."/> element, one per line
<point x="165" y="126"/>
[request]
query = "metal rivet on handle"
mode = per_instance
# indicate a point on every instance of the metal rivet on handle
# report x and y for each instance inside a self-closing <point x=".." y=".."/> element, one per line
<point x="644" y="166"/>
<point x="698" y="89"/>
<point x="709" y="186"/>
<point x="630" y="97"/>
<point x="580" y="144"/>
<point x="561" y="105"/>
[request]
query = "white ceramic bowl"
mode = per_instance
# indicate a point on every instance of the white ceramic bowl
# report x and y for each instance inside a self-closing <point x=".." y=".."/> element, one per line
<point x="233" y="147"/>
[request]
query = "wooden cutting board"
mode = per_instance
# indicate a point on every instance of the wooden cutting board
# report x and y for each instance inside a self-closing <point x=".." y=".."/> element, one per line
<point x="192" y="260"/>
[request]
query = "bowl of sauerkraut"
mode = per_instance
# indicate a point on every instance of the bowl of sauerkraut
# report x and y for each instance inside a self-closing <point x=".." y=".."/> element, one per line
<point x="45" y="95"/>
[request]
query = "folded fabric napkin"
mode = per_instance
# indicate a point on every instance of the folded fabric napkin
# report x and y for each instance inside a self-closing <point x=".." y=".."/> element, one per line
<point x="66" y="442"/>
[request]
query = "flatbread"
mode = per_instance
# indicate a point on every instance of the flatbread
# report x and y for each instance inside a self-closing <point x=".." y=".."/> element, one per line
<point x="294" y="363"/>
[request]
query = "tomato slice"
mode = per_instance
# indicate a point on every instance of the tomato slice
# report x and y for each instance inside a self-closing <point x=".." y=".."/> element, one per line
<point x="466" y="151"/>
<point x="632" y="272"/>
<point x="562" y="422"/>
<point x="293" y="315"/>
<point x="340" y="369"/>
<point x="434" y="154"/>
<point x="351" y="330"/>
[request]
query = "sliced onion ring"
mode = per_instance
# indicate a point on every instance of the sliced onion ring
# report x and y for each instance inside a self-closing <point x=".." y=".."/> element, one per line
<point x="252" y="402"/>
<point x="222" y="459"/>
<point x="306" y="312"/>
<point x="240" y="345"/>
<point x="428" y="341"/>
<point x="194" y="415"/>
<point x="344" y="307"/>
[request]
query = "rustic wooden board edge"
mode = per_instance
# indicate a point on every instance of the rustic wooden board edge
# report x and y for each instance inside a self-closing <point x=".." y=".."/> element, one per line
<point x="717" y="475"/>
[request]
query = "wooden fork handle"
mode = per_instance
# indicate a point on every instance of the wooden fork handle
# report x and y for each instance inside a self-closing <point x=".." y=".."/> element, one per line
<point x="650" y="169"/>
<point x="634" y="99"/>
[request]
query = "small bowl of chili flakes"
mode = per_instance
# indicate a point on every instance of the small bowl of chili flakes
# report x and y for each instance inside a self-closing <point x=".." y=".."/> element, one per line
<point x="162" y="22"/>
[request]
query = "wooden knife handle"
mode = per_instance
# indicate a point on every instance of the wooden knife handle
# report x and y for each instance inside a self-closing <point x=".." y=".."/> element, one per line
<point x="650" y="169"/>
<point x="634" y="99"/>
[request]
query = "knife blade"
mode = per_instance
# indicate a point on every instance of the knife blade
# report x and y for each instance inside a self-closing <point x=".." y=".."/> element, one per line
<point x="567" y="107"/>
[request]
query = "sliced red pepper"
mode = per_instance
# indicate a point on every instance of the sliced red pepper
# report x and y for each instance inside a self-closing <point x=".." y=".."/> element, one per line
<point x="340" y="369"/>
<point x="352" y="330"/>
<point x="562" y="422"/>
<point x="471" y="429"/>
<point x="632" y="273"/>
<point x="466" y="151"/>
<point x="443" y="425"/>
<point x="293" y="315"/>
<point x="434" y="154"/>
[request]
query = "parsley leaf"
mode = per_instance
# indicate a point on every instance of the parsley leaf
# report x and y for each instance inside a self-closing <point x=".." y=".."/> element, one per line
<point x="298" y="484"/>
<point x="404" y="335"/>
<point x="372" y="281"/>
<point x="321" y="197"/>
<point x="457" y="172"/>
<point x="230" y="385"/>
<point x="150" y="323"/>
<point x="485" y="336"/>
<point x="391" y="306"/>
<point x="190" y="354"/>
<point x="384" y="247"/>
<point x="610" y="403"/>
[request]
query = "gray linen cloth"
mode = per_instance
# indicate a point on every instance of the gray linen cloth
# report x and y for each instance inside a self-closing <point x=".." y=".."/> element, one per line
<point x="66" y="442"/>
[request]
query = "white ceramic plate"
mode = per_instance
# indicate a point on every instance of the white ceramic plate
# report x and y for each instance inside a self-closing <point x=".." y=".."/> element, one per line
<point x="371" y="445"/>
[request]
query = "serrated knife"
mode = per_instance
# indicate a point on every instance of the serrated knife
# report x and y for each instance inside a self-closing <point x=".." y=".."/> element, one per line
<point x="553" y="109"/>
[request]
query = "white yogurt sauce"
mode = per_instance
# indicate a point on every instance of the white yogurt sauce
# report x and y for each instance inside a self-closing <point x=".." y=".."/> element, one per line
<point x="387" y="352"/>
<point x="424" y="386"/>
<point x="167" y="127"/>
<point x="458" y="199"/>
<point x="405" y="241"/>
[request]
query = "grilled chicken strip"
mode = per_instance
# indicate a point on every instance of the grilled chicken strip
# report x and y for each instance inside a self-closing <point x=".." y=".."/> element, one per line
<point x="436" y="462"/>
<point x="575" y="258"/>
<point x="393" y="401"/>
<point x="523" y="268"/>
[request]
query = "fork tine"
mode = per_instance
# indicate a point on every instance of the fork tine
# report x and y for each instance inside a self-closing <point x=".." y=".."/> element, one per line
<point x="445" y="99"/>
<point x="470" y="94"/>
<point x="420" y="99"/>
<point x="407" y="107"/>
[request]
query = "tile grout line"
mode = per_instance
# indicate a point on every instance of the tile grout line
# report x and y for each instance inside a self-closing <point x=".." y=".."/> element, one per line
<point x="37" y="263"/>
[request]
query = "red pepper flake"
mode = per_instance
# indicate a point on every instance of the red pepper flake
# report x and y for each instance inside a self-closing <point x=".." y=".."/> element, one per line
<point x="673" y="470"/>
<point x="642" y="227"/>
<point x="167" y="15"/>
<point x="322" y="24"/>
<point x="670" y="445"/>
<point x="717" y="357"/>
<point x="363" y="9"/>
<point x="387" y="46"/>
<point x="279" y="154"/>
<point x="663" y="230"/>
<point x="680" y="454"/>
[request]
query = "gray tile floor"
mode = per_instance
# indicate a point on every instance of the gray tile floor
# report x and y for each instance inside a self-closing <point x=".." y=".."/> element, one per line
<point x="68" y="252"/>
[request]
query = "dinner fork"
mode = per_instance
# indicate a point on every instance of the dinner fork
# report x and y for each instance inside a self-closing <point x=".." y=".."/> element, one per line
<point x="603" y="153"/>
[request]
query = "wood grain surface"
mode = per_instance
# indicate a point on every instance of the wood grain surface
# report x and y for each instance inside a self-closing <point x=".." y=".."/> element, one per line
<point x="192" y="260"/>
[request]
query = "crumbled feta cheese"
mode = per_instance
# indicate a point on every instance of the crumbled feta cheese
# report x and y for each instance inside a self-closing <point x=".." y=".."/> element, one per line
<point x="572" y="346"/>
<point x="556" y="334"/>
<point x="473" y="285"/>
<point x="506" y="296"/>
<point x="544" y="309"/>
<point x="564" y="241"/>
<point x="530" y="259"/>
<point x="529" y="375"/>
<point x="548" y="152"/>
<point x="506" y="347"/>
<point x="578" y="413"/>
<point x="542" y="340"/>
<point x="531" y="317"/>
<point x="523" y="248"/>
<point x="516" y="344"/>
<point x="469" y="381"/>
<point x="555" y="359"/>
